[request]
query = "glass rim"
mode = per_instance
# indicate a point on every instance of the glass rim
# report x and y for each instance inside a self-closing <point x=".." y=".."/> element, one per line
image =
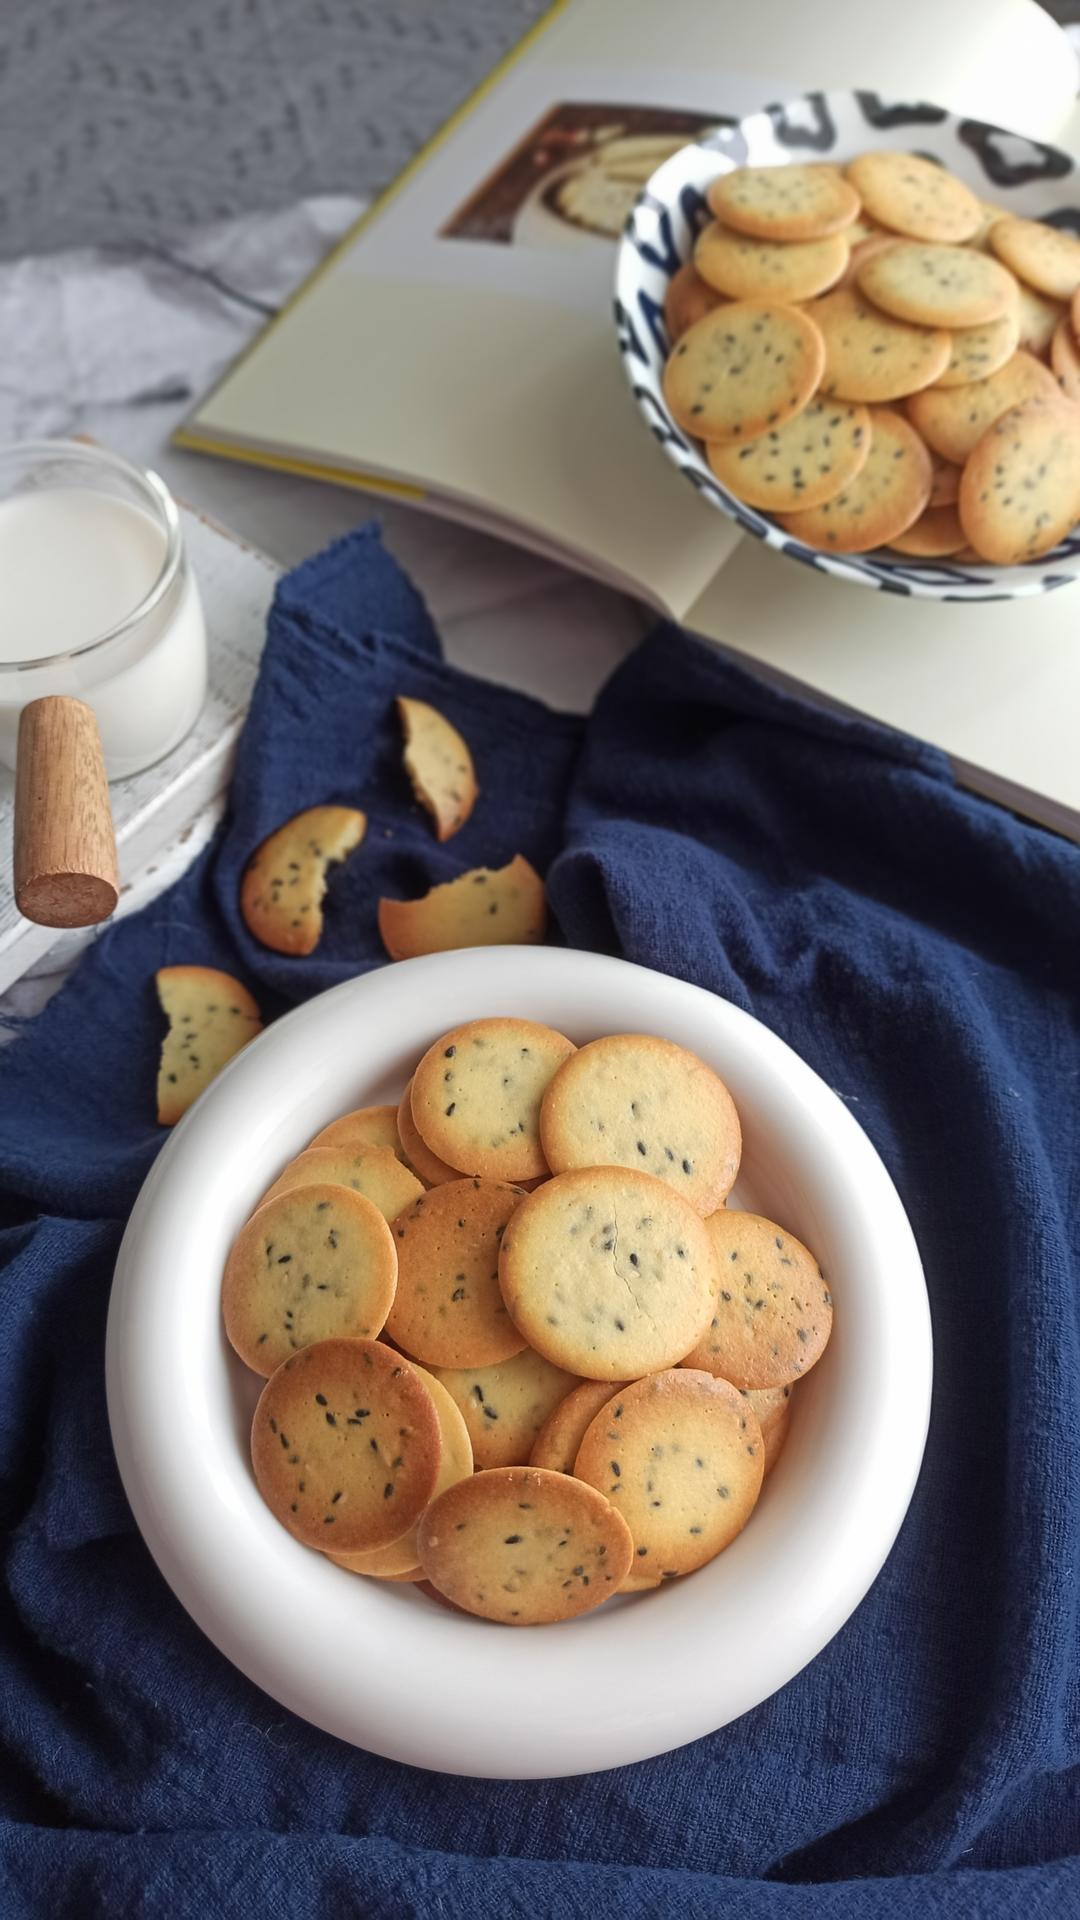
<point x="153" y="489"/>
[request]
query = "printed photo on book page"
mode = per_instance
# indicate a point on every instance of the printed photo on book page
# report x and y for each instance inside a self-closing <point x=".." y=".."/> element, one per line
<point x="534" y="187"/>
<point x="463" y="342"/>
<point x="575" y="176"/>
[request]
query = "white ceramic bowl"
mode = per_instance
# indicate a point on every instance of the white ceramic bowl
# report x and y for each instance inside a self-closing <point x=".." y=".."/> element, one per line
<point x="1019" y="175"/>
<point x="380" y="1665"/>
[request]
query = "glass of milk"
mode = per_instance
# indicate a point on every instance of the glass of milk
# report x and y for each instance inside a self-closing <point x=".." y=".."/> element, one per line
<point x="97" y="600"/>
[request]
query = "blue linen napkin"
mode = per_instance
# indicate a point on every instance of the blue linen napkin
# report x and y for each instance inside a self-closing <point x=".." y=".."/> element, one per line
<point x="920" y="948"/>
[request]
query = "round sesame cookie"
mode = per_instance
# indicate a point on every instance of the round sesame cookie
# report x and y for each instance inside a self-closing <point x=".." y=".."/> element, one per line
<point x="772" y="1315"/>
<point x="945" y="481"/>
<point x="937" y="286"/>
<point x="430" y="1168"/>
<point x="505" y="1406"/>
<point x="933" y="536"/>
<point x="953" y="420"/>
<point x="746" y="269"/>
<point x="743" y="369"/>
<point x="401" y="1559"/>
<point x="1038" y="319"/>
<point x="376" y="1172"/>
<point x="1065" y="359"/>
<point x="562" y="1433"/>
<point x="784" y="203"/>
<point x="608" y="1273"/>
<point x="476" y="1096"/>
<point x="883" y="499"/>
<point x="1047" y="258"/>
<point x="977" y="352"/>
<point x="448" y="1310"/>
<point x="1020" y="493"/>
<point x="864" y="249"/>
<point x="801" y="464"/>
<point x="863" y="228"/>
<point x="870" y="356"/>
<point x="680" y="1455"/>
<point x="345" y="1445"/>
<point x="989" y="215"/>
<point x="688" y="298"/>
<point x="915" y="197"/>
<point x="634" y="1100"/>
<point x="524" y="1547"/>
<point x="307" y="1266"/>
<point x="772" y="1406"/>
<point x="365" y="1127"/>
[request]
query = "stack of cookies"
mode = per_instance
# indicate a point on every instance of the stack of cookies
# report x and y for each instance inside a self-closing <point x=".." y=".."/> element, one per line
<point x="518" y="1349"/>
<point x="875" y="358"/>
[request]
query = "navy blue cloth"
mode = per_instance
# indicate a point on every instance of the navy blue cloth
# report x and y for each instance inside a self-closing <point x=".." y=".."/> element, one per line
<point x="921" y="950"/>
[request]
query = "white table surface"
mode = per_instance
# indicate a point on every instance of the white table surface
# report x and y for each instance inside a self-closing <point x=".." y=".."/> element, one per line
<point x="118" y="346"/>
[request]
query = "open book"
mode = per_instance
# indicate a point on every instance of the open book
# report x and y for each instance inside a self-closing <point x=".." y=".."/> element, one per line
<point x="457" y="350"/>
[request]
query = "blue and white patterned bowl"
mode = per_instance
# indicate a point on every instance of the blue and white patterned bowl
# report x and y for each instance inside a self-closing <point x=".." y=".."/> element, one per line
<point x="1013" y="172"/>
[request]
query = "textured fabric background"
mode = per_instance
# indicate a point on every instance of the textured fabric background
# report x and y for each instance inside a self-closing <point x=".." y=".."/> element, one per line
<point x="126" y="120"/>
<point x="919" y="948"/>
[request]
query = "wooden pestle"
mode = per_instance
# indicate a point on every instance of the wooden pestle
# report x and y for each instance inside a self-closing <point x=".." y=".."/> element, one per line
<point x="65" y="848"/>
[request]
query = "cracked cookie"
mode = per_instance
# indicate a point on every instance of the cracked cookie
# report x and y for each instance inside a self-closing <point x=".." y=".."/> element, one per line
<point x="608" y="1273"/>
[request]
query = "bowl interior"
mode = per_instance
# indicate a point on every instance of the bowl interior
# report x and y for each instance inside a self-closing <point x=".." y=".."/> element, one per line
<point x="180" y="1403"/>
<point x="1003" y="168"/>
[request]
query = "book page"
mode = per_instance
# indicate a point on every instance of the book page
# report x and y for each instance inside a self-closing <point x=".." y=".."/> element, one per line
<point x="461" y="341"/>
<point x="995" y="685"/>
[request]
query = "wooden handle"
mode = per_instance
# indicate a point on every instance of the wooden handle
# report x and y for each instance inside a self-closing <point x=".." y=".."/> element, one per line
<point x="65" y="848"/>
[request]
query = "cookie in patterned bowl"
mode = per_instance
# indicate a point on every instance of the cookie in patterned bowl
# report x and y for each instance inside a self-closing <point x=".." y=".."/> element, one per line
<point x="969" y="426"/>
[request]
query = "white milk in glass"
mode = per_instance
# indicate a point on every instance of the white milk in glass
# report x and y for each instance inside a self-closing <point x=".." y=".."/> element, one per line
<point x="96" y="600"/>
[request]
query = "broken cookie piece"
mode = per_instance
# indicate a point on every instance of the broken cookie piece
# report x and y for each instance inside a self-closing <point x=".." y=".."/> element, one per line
<point x="282" y="890"/>
<point x="211" y="1016"/>
<point x="487" y="907"/>
<point x="439" y="764"/>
